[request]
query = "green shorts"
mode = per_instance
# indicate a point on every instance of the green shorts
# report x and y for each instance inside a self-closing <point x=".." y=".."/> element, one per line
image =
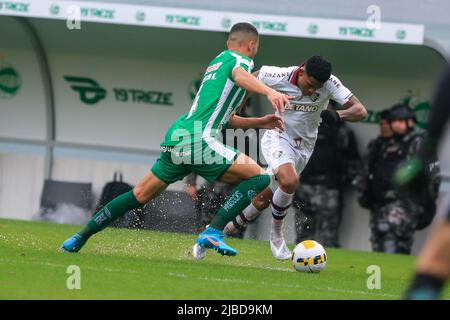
<point x="209" y="161"/>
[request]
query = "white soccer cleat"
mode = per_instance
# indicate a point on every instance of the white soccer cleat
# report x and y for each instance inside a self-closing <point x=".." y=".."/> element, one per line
<point x="282" y="252"/>
<point x="199" y="252"/>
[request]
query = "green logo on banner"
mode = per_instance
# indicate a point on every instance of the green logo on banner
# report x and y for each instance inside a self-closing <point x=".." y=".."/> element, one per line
<point x="270" y="25"/>
<point x="140" y="16"/>
<point x="54" y="9"/>
<point x="400" y="34"/>
<point x="89" y="90"/>
<point x="226" y="23"/>
<point x="10" y="81"/>
<point x="357" y="32"/>
<point x="14" y="6"/>
<point x="313" y="28"/>
<point x="143" y="96"/>
<point x="98" y="13"/>
<point x="187" y="20"/>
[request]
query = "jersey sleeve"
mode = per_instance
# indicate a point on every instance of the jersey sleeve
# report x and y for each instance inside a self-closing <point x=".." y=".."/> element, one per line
<point x="338" y="92"/>
<point x="244" y="62"/>
<point x="271" y="76"/>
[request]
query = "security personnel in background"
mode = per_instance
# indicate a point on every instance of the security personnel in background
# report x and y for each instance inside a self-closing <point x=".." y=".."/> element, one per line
<point x="318" y="201"/>
<point x="363" y="180"/>
<point x="396" y="215"/>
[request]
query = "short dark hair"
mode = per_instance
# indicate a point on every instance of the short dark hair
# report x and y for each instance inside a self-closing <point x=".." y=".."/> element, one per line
<point x="319" y="68"/>
<point x="384" y="114"/>
<point x="401" y="111"/>
<point x="243" y="27"/>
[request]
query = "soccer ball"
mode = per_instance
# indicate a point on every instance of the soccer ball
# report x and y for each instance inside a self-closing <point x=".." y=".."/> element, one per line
<point x="309" y="256"/>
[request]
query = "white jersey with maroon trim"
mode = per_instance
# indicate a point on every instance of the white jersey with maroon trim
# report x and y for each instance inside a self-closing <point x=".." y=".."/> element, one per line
<point x="302" y="118"/>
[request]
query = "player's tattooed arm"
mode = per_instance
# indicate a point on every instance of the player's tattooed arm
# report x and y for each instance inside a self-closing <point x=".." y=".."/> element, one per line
<point x="353" y="110"/>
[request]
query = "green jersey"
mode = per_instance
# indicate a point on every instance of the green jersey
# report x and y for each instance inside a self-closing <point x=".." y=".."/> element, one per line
<point x="216" y="101"/>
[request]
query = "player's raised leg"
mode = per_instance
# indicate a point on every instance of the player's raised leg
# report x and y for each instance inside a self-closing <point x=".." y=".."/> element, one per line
<point x="287" y="177"/>
<point x="281" y="200"/>
<point x="251" y="180"/>
<point x="250" y="213"/>
<point x="147" y="189"/>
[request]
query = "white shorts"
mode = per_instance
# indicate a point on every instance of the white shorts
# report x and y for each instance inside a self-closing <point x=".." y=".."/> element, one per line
<point x="278" y="149"/>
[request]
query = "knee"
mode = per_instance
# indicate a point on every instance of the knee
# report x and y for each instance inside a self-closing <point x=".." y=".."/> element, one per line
<point x="289" y="184"/>
<point x="141" y="195"/>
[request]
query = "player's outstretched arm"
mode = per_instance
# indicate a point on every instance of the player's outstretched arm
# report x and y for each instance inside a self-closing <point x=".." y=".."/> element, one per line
<point x="269" y="121"/>
<point x="248" y="82"/>
<point x="353" y="110"/>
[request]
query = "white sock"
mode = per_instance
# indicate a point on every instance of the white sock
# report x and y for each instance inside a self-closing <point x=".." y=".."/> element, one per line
<point x="281" y="201"/>
<point x="276" y="232"/>
<point x="250" y="213"/>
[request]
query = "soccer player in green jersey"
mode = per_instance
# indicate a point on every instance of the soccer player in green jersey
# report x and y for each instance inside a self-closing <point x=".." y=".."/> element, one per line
<point x="191" y="145"/>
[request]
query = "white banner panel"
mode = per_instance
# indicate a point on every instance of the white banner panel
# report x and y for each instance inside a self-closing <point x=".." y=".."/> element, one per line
<point x="165" y="17"/>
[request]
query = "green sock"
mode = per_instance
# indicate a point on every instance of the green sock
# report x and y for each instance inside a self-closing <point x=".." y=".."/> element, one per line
<point x="239" y="199"/>
<point x="110" y="212"/>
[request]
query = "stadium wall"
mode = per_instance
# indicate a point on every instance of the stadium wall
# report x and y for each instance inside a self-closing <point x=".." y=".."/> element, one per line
<point x="118" y="88"/>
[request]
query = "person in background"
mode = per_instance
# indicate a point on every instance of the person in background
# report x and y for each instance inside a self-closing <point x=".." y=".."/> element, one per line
<point x="364" y="177"/>
<point x="395" y="215"/>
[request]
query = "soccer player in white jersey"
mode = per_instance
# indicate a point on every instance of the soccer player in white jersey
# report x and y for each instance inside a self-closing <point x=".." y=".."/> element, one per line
<point x="287" y="152"/>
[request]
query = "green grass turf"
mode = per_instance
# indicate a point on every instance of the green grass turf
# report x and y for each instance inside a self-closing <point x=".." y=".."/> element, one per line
<point x="127" y="264"/>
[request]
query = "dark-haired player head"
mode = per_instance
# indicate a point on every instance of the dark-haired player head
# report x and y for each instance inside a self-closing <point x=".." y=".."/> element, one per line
<point x="313" y="74"/>
<point x="243" y="38"/>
